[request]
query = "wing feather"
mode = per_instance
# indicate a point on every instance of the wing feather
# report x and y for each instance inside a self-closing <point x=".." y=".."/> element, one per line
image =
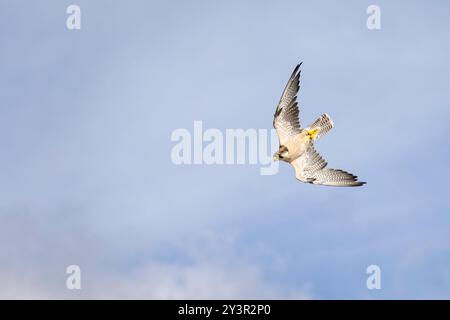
<point x="286" y="118"/>
<point x="310" y="167"/>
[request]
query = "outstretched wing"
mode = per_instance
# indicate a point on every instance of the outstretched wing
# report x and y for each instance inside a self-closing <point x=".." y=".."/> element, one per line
<point x="286" y="120"/>
<point x="311" y="167"/>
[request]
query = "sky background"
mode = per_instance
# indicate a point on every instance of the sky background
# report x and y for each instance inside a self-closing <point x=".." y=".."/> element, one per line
<point x="86" y="176"/>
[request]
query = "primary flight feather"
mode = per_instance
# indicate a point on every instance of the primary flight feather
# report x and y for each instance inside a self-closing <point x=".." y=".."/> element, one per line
<point x="297" y="143"/>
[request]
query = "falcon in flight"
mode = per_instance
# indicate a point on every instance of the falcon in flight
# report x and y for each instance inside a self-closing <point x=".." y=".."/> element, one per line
<point x="297" y="144"/>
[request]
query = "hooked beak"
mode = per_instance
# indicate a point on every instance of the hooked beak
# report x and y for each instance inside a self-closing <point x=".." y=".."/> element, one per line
<point x="276" y="156"/>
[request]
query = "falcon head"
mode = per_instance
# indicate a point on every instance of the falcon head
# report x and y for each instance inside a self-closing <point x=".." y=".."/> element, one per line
<point x="281" y="153"/>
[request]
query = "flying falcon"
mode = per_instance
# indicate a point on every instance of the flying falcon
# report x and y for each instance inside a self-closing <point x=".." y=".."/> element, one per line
<point x="297" y="144"/>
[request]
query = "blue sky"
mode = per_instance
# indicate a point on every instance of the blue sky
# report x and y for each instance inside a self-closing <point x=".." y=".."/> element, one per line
<point x="85" y="123"/>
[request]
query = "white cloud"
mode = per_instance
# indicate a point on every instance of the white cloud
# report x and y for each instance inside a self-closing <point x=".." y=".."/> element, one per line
<point x="206" y="265"/>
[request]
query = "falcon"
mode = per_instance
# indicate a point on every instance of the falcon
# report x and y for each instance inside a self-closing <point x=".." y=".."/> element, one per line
<point x="297" y="143"/>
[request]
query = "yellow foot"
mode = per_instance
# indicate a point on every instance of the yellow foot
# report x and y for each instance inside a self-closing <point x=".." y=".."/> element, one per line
<point x="312" y="133"/>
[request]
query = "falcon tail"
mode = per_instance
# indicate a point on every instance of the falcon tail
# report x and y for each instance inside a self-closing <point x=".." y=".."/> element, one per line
<point x="320" y="127"/>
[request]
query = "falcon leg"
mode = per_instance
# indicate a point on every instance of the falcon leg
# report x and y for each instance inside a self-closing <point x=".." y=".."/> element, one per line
<point x="312" y="133"/>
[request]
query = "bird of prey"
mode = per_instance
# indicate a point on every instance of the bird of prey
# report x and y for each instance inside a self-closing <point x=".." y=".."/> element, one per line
<point x="297" y="144"/>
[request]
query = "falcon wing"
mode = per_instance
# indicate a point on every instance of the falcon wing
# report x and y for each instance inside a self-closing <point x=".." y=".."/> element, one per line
<point x="286" y="120"/>
<point x="310" y="167"/>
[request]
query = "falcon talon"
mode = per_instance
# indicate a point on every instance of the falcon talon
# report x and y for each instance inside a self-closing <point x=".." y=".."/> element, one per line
<point x="312" y="133"/>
